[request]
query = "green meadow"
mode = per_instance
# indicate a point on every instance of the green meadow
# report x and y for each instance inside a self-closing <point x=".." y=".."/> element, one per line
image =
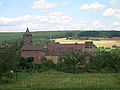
<point x="53" y="80"/>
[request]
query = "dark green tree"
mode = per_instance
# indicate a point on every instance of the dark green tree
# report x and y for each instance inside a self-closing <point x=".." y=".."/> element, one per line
<point x="9" y="60"/>
<point x="26" y="64"/>
<point x="106" y="61"/>
<point x="47" y="65"/>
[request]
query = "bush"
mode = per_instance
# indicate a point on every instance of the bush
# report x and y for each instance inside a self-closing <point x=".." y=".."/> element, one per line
<point x="44" y="68"/>
<point x="47" y="65"/>
<point x="107" y="70"/>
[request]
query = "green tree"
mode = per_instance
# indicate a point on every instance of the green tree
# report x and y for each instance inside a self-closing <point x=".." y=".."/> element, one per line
<point x="9" y="60"/>
<point x="71" y="60"/>
<point x="47" y="65"/>
<point x="106" y="61"/>
<point x="27" y="63"/>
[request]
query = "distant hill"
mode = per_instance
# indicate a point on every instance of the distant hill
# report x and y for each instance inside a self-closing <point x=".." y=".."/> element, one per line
<point x="45" y="35"/>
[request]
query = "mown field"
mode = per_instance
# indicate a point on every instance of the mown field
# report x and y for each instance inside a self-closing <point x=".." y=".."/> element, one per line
<point x="102" y="43"/>
<point x="53" y="80"/>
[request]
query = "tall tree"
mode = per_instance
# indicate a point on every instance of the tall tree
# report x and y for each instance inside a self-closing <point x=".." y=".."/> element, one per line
<point x="9" y="58"/>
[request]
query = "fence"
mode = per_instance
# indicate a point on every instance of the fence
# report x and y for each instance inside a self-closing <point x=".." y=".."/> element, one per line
<point x="36" y="81"/>
<point x="62" y="81"/>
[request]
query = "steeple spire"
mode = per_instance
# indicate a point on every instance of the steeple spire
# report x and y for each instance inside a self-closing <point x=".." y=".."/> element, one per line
<point x="27" y="31"/>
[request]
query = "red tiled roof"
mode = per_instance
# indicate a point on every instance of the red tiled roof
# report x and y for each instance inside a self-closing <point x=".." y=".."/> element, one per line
<point x="60" y="49"/>
<point x="31" y="48"/>
<point x="52" y="46"/>
<point x="55" y="49"/>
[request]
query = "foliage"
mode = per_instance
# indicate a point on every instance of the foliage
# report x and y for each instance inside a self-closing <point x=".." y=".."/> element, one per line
<point x="9" y="60"/>
<point x="106" y="61"/>
<point x="46" y="65"/>
<point x="100" y="34"/>
<point x="26" y="63"/>
<point x="37" y="41"/>
<point x="70" y="61"/>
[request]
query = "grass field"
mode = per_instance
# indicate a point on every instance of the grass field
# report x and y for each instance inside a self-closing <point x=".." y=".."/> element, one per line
<point x="104" y="43"/>
<point x="53" y="80"/>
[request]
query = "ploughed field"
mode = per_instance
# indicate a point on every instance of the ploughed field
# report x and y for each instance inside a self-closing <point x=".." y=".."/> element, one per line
<point x="101" y="43"/>
<point x="53" y="80"/>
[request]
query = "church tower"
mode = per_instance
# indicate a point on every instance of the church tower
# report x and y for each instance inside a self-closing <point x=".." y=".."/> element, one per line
<point x="27" y="37"/>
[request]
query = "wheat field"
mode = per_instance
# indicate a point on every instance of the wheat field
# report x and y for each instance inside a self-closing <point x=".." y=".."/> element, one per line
<point x="102" y="43"/>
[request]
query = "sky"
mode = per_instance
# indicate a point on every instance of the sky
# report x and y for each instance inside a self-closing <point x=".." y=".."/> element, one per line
<point x="49" y="15"/>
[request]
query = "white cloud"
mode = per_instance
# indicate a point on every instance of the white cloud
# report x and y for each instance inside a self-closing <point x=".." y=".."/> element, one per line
<point x="45" y="5"/>
<point x="112" y="12"/>
<point x="115" y="26"/>
<point x="97" y="24"/>
<point x="52" y="22"/>
<point x="116" y="23"/>
<point x="115" y="2"/>
<point x="36" y="22"/>
<point x="92" y="6"/>
<point x="1" y="3"/>
<point x="56" y="13"/>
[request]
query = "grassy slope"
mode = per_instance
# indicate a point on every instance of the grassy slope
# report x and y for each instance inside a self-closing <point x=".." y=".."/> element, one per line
<point x="59" y="80"/>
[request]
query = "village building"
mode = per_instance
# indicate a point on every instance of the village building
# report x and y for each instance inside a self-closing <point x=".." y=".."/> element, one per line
<point x="52" y="51"/>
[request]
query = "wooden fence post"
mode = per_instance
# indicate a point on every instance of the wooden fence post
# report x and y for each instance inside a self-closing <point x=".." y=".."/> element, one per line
<point x="0" y="75"/>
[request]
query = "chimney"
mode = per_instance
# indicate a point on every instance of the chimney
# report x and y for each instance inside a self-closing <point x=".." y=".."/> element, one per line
<point x="89" y="44"/>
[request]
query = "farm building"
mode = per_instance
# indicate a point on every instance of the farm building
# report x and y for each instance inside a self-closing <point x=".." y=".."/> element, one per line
<point x="52" y="51"/>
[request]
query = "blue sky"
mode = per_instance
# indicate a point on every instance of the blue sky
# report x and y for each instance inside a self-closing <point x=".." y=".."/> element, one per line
<point x="43" y="15"/>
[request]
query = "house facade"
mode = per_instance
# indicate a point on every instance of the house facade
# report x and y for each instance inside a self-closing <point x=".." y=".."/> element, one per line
<point x="52" y="51"/>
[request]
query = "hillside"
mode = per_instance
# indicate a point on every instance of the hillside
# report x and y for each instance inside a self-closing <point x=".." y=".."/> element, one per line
<point x="42" y="36"/>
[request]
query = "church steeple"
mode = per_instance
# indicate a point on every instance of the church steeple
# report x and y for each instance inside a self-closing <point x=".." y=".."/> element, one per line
<point x="27" y="31"/>
<point x="27" y="37"/>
